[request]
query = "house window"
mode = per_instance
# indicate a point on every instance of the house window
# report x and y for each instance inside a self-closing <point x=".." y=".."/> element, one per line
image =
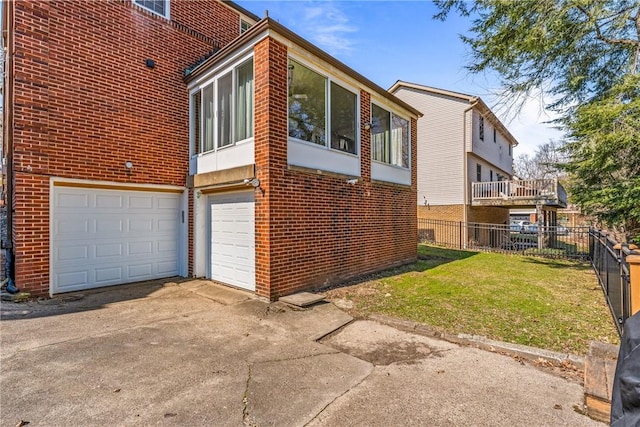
<point x="312" y="99"/>
<point x="222" y="111"/>
<point x="510" y="152"/>
<point x="389" y="137"/>
<point x="244" y="26"/>
<point x="495" y="136"/>
<point x="159" y="7"/>
<point x="490" y="175"/>
<point x="481" y="130"/>
<point x="478" y="173"/>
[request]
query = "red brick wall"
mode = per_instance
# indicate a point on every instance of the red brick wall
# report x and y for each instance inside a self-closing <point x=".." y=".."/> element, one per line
<point x="85" y="102"/>
<point x="313" y="230"/>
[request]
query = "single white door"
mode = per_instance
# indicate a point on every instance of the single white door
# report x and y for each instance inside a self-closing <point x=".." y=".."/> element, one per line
<point x="102" y="237"/>
<point x="233" y="239"/>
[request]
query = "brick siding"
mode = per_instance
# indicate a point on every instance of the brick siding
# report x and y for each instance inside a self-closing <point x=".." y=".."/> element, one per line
<point x="488" y="215"/>
<point x="442" y="212"/>
<point x="85" y="103"/>
<point x="312" y="229"/>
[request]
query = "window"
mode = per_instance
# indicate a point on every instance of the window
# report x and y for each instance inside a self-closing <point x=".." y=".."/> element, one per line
<point x="389" y="137"/>
<point x="222" y="111"/>
<point x="481" y="128"/>
<point x="478" y="173"/>
<point x="490" y="175"/>
<point x="244" y="26"/>
<point x="495" y="135"/>
<point x="313" y="99"/>
<point x="510" y="148"/>
<point x="159" y="7"/>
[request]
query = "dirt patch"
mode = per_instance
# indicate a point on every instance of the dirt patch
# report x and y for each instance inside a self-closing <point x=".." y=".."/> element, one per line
<point x="388" y="353"/>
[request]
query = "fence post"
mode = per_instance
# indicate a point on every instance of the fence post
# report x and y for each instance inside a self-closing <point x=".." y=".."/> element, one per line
<point x="633" y="259"/>
<point x="460" y="234"/>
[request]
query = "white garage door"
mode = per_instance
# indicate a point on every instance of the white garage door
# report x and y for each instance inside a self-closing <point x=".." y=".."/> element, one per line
<point x="233" y="239"/>
<point x="102" y="237"/>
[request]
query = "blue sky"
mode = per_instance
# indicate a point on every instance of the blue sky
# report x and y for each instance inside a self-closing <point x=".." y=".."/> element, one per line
<point x="398" y="40"/>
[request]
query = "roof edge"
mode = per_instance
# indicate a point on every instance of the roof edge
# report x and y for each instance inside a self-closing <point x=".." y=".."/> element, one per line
<point x="241" y="9"/>
<point x="477" y="102"/>
<point x="268" y="24"/>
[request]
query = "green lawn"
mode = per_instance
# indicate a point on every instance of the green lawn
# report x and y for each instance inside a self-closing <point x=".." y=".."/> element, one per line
<point x="552" y="304"/>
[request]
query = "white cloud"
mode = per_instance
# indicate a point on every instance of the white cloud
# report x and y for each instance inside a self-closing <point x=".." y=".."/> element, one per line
<point x="326" y="25"/>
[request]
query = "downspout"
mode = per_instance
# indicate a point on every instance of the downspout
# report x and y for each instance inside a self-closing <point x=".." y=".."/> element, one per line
<point x="7" y="246"/>
<point x="466" y="187"/>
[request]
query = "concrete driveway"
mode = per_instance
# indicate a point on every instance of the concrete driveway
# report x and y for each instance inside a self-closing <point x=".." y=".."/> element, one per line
<point x="194" y="353"/>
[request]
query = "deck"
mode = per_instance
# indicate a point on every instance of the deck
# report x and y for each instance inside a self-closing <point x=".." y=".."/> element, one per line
<point x="519" y="193"/>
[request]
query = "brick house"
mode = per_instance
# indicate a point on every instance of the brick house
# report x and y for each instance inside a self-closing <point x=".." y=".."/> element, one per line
<point x="150" y="139"/>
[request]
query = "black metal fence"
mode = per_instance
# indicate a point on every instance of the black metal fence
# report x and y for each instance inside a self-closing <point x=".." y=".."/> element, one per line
<point x="530" y="239"/>
<point x="608" y="260"/>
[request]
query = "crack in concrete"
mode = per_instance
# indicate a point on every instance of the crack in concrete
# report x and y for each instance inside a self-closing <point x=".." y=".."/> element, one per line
<point x="324" y="408"/>
<point x="331" y="350"/>
<point x="245" y="399"/>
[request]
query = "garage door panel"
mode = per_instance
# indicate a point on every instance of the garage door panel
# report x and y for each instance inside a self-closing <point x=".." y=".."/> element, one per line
<point x="109" y="225"/>
<point x="73" y="253"/>
<point x="65" y="227"/>
<point x="109" y="250"/>
<point x="233" y="239"/>
<point x="108" y="275"/>
<point x="72" y="279"/>
<point x="75" y="201"/>
<point x="109" y="201"/>
<point x="167" y="246"/>
<point x="167" y="203"/>
<point x="167" y="267"/>
<point x="140" y="271"/>
<point x="141" y="202"/>
<point x="140" y="225"/>
<point x="108" y="237"/>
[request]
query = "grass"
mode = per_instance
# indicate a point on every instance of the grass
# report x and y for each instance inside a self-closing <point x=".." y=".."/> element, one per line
<point x="551" y="304"/>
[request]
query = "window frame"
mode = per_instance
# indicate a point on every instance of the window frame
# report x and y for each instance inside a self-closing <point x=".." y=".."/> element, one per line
<point x="140" y="3"/>
<point x="481" y="128"/>
<point x="328" y="82"/>
<point x="392" y="113"/>
<point x="478" y="172"/>
<point x="213" y="82"/>
<point x="495" y="135"/>
<point x="244" y="23"/>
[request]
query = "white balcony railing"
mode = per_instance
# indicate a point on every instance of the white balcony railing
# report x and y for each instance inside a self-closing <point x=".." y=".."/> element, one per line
<point x="547" y="191"/>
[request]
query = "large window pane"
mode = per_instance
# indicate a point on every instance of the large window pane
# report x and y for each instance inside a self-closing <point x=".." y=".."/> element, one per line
<point x="225" y="87"/>
<point x="343" y="119"/>
<point x="244" y="101"/>
<point x="208" y="118"/>
<point x="399" y="142"/>
<point x="307" y="104"/>
<point x="380" y="125"/>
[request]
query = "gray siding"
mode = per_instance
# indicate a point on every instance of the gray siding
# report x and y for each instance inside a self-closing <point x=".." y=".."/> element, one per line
<point x="440" y="146"/>
<point x="497" y="152"/>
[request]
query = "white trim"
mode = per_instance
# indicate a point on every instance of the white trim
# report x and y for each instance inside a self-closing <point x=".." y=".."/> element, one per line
<point x="213" y="79"/>
<point x="393" y="113"/>
<point x="329" y="78"/>
<point x="167" y="5"/>
<point x="233" y="60"/>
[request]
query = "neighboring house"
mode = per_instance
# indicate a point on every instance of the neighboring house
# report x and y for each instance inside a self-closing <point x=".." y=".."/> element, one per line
<point x="150" y="139"/>
<point x="460" y="141"/>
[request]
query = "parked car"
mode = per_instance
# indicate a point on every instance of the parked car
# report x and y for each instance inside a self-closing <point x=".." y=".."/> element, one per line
<point x="561" y="230"/>
<point x="519" y="226"/>
<point x="530" y="228"/>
